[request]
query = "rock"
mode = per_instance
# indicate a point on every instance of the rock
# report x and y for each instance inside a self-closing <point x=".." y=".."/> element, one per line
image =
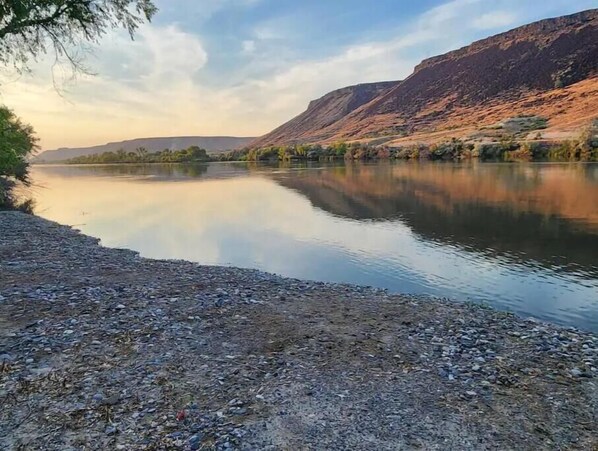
<point x="112" y="400"/>
<point x="194" y="441"/>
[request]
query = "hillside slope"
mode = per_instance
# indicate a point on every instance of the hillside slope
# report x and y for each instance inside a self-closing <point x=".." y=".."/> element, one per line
<point x="324" y="112"/>
<point x="210" y="143"/>
<point x="520" y="68"/>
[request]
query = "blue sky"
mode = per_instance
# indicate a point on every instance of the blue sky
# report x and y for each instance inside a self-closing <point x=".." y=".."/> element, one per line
<point x="242" y="67"/>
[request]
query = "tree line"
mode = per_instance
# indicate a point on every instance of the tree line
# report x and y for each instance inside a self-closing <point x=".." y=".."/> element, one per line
<point x="583" y="148"/>
<point x="192" y="154"/>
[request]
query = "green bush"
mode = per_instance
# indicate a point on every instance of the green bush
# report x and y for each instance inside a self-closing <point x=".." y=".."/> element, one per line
<point x="17" y="142"/>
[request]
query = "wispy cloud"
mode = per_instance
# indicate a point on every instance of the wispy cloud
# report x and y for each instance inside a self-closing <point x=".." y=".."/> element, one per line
<point x="157" y="85"/>
<point x="248" y="46"/>
<point x="497" y="19"/>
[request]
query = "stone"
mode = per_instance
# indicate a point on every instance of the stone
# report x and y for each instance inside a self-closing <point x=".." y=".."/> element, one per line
<point x="112" y="400"/>
<point x="194" y="441"/>
<point x="6" y="358"/>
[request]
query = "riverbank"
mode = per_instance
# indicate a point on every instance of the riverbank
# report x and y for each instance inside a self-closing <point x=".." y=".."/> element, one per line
<point x="101" y="349"/>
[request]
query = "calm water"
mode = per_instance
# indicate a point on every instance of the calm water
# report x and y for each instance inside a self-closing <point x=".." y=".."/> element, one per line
<point x="521" y="237"/>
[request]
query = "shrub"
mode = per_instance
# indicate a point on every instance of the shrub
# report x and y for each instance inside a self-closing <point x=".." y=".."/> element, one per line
<point x="17" y="142"/>
<point x="525" y="152"/>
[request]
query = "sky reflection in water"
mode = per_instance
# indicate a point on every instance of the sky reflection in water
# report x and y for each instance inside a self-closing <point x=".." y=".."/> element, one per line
<point x="519" y="237"/>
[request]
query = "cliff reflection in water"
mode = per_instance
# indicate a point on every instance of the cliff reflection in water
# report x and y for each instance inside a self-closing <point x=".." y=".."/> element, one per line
<point x="544" y="212"/>
<point x="518" y="236"/>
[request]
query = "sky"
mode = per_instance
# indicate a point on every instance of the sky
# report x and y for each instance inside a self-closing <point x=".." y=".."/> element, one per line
<point x="243" y="67"/>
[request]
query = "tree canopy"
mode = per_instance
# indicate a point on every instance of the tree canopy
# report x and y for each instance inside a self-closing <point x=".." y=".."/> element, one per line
<point x="17" y="141"/>
<point x="29" y="28"/>
<point x="192" y="154"/>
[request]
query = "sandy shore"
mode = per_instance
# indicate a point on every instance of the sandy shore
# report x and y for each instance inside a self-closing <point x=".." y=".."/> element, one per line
<point x="102" y="349"/>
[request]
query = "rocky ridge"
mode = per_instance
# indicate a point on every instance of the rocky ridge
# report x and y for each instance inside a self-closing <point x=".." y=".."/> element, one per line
<point x="548" y="68"/>
<point x="324" y="112"/>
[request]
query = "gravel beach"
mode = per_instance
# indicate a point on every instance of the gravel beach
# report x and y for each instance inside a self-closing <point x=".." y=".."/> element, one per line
<point x="102" y="349"/>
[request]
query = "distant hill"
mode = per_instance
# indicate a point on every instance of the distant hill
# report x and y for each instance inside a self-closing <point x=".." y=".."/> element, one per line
<point x="210" y="143"/>
<point x="548" y="68"/>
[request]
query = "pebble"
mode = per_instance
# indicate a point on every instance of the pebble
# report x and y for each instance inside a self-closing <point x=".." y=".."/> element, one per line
<point x="246" y="355"/>
<point x="112" y="400"/>
<point x="194" y="441"/>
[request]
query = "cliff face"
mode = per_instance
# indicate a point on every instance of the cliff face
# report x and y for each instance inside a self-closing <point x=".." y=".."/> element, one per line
<point x="528" y="61"/>
<point x="324" y="112"/>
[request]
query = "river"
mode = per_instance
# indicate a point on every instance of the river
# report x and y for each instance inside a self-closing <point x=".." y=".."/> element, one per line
<point x="519" y="237"/>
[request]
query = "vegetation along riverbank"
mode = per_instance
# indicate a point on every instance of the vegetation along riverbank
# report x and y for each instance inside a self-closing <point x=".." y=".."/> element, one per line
<point x="502" y="147"/>
<point x="102" y="349"/>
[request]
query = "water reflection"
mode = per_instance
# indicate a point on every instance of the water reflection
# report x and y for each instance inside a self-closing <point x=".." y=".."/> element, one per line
<point x="548" y="213"/>
<point x="522" y="237"/>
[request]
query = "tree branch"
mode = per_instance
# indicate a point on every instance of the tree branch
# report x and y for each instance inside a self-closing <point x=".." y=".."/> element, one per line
<point x="17" y="27"/>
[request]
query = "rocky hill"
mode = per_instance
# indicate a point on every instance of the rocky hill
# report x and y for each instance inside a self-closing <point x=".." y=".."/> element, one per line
<point x="324" y="112"/>
<point x="547" y="68"/>
<point x="210" y="143"/>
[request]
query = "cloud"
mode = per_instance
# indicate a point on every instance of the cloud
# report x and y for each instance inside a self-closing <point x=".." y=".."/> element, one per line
<point x="248" y="47"/>
<point x="145" y="88"/>
<point x="160" y="83"/>
<point x="496" y="19"/>
<point x="446" y="12"/>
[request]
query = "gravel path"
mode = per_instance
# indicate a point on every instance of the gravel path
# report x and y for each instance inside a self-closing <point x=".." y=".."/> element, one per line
<point x="101" y="349"/>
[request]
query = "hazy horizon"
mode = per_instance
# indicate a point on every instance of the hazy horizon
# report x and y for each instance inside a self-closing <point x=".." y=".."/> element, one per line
<point x="243" y="67"/>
